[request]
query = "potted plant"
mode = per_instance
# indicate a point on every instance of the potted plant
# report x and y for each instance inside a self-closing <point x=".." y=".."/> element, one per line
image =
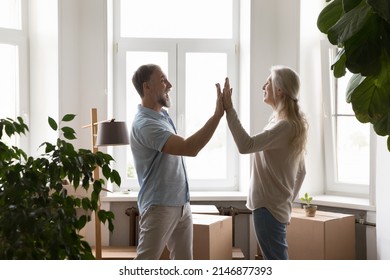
<point x="361" y="31"/>
<point x="38" y="217"/>
<point x="310" y="209"/>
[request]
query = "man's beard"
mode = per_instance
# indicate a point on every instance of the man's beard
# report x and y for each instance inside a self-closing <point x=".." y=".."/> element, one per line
<point x="165" y="102"/>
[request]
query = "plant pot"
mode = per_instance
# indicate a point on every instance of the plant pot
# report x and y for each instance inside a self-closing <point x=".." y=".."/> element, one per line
<point x="310" y="210"/>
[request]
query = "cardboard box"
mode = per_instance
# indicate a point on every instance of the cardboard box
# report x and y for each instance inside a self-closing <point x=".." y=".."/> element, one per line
<point x="118" y="252"/>
<point x="212" y="238"/>
<point x="327" y="236"/>
<point x="204" y="209"/>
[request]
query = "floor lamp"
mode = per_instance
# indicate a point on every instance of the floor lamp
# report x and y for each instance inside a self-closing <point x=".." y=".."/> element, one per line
<point x="105" y="133"/>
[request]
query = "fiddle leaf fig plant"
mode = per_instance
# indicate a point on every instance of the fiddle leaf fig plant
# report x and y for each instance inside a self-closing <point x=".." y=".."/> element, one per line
<point x="39" y="217"/>
<point x="361" y="31"/>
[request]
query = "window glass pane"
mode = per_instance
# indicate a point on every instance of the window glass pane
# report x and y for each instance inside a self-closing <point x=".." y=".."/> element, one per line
<point x="200" y="104"/>
<point x="353" y="151"/>
<point x="133" y="61"/>
<point x="351" y="140"/>
<point x="176" y="18"/>
<point x="342" y="106"/>
<point x="10" y="14"/>
<point x="9" y="80"/>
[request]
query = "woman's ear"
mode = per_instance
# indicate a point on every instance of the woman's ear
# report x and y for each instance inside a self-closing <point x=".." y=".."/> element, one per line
<point x="279" y="92"/>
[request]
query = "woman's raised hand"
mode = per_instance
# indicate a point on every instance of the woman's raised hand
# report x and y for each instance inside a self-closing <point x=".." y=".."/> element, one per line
<point x="227" y="95"/>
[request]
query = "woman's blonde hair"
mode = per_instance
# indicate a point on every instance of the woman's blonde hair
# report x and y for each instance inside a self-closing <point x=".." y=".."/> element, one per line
<point x="287" y="80"/>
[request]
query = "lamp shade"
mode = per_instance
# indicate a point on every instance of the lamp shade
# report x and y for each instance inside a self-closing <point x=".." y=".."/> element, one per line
<point x="112" y="133"/>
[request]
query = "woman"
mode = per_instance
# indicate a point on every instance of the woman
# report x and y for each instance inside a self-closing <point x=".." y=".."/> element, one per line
<point x="278" y="168"/>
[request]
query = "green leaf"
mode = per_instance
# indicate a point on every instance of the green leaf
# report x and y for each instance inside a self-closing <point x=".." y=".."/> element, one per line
<point x="339" y="66"/>
<point x="388" y="143"/>
<point x="69" y="133"/>
<point x="363" y="50"/>
<point x="349" y="24"/>
<point x="102" y="216"/>
<point x="329" y="16"/>
<point x="52" y="123"/>
<point x="67" y="129"/>
<point x="82" y="222"/>
<point x="350" y="4"/>
<point x="86" y="203"/>
<point x="381" y="7"/>
<point x="106" y="171"/>
<point x="381" y="127"/>
<point x="115" y="177"/>
<point x="353" y="83"/>
<point x="369" y="102"/>
<point x="68" y="117"/>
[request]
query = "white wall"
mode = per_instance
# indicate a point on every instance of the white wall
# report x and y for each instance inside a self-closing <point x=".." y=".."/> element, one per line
<point x="83" y="63"/>
<point x="67" y="66"/>
<point x="69" y="59"/>
<point x="311" y="94"/>
<point x="44" y="71"/>
<point x="382" y="199"/>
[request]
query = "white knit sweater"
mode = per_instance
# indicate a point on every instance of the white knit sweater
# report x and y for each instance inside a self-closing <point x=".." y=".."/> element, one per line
<point x="275" y="180"/>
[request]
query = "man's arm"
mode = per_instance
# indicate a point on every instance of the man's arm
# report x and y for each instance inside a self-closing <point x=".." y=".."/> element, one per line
<point x="177" y="145"/>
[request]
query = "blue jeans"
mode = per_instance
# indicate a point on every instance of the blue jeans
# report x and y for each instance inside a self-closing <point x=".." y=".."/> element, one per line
<point x="271" y="235"/>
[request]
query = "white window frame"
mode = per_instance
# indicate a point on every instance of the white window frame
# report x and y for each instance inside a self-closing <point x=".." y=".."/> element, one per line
<point x="332" y="186"/>
<point x="19" y="38"/>
<point x="176" y="49"/>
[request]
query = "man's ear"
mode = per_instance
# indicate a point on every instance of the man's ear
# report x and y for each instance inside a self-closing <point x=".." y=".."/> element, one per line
<point x="145" y="86"/>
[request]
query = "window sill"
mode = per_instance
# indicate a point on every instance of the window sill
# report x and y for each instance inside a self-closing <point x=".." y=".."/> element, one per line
<point x="195" y="196"/>
<point x="342" y="202"/>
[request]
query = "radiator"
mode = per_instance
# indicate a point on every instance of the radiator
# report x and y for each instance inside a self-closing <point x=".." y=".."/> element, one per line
<point x="365" y="241"/>
<point x="133" y="214"/>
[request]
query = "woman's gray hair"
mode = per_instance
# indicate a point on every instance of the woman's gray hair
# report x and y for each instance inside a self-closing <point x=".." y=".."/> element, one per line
<point x="287" y="80"/>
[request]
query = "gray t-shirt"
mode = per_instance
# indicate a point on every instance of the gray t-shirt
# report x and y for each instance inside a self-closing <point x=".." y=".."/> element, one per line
<point x="162" y="177"/>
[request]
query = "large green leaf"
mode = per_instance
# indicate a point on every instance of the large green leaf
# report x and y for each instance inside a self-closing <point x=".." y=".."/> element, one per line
<point x="362" y="98"/>
<point x="349" y="24"/>
<point x="363" y="49"/>
<point x="353" y="83"/>
<point x="381" y="127"/>
<point x="381" y="7"/>
<point x="371" y="98"/>
<point x="329" y="16"/>
<point x="350" y="4"/>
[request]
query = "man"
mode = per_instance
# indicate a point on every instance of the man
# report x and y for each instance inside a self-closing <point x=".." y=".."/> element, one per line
<point x="163" y="200"/>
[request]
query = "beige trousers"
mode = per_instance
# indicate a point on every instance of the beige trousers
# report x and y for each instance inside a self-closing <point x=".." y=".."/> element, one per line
<point x="169" y="226"/>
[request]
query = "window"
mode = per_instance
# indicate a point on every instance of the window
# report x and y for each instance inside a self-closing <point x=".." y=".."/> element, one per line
<point x="13" y="67"/>
<point x="195" y="54"/>
<point x="347" y="141"/>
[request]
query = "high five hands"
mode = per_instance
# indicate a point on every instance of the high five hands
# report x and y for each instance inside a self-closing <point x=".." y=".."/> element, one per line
<point x="226" y="94"/>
